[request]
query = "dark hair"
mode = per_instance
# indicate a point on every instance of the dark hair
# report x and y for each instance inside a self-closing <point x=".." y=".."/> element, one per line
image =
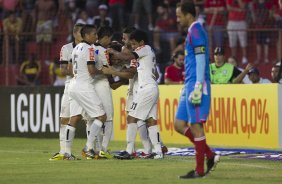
<point x="128" y="30"/>
<point x="116" y="46"/>
<point x="77" y="27"/>
<point x="187" y="7"/>
<point x="104" y="31"/>
<point x="86" y="29"/>
<point x="139" y="36"/>
<point x="180" y="52"/>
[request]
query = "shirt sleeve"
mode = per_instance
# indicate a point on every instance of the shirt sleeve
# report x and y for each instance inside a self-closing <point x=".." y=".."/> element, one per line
<point x="64" y="55"/>
<point x="197" y="37"/>
<point x="140" y="52"/>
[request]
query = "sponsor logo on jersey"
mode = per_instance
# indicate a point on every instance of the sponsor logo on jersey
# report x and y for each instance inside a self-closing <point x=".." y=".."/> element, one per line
<point x="91" y="54"/>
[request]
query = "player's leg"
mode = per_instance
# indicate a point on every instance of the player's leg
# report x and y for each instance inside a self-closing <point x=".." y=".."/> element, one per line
<point x="131" y="134"/>
<point x="197" y="116"/>
<point x="181" y="118"/>
<point x="95" y="131"/>
<point x="65" y="117"/>
<point x="64" y="120"/>
<point x="104" y="92"/>
<point x="146" y="109"/>
<point x="144" y="136"/>
<point x="131" y="130"/>
<point x="70" y="133"/>
<point x="154" y="134"/>
<point x="91" y="104"/>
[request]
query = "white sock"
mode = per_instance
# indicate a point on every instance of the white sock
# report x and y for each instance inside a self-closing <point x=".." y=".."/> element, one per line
<point x="108" y="135"/>
<point x="98" y="142"/>
<point x="143" y="132"/>
<point x="95" y="130"/>
<point x="130" y="137"/>
<point x="154" y="134"/>
<point x="88" y="125"/>
<point x="69" y="132"/>
<point x="62" y="137"/>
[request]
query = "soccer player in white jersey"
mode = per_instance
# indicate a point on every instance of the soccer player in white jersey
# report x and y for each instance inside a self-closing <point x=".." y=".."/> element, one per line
<point x="144" y="105"/>
<point x="82" y="94"/>
<point x="66" y="68"/>
<point x="131" y="74"/>
<point x="102" y="87"/>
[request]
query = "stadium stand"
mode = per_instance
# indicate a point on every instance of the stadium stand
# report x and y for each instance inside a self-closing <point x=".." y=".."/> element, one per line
<point x="66" y="14"/>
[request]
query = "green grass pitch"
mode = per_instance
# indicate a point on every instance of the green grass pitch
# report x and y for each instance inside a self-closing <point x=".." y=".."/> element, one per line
<point x="25" y="160"/>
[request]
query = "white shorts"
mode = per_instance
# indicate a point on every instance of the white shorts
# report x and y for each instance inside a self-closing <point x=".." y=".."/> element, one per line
<point x="103" y="89"/>
<point x="145" y="102"/>
<point x="238" y="29"/>
<point x="65" y="103"/>
<point x="129" y="99"/>
<point x="83" y="97"/>
<point x="132" y="91"/>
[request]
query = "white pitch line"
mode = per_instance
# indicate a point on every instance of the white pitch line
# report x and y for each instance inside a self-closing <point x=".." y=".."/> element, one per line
<point x="247" y="165"/>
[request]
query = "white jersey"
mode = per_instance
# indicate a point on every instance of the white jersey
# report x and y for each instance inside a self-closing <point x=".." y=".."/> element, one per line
<point x="65" y="56"/>
<point x="101" y="59"/>
<point x="82" y="55"/>
<point x="146" y="65"/>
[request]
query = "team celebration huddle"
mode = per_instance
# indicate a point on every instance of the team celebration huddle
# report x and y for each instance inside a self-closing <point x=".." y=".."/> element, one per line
<point x="95" y="65"/>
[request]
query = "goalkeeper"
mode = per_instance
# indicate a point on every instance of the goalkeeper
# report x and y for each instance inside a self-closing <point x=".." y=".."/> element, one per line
<point x="194" y="103"/>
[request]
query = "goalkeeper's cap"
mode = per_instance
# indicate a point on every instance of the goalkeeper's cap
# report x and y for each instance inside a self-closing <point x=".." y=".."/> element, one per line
<point x="219" y="51"/>
<point x="254" y="70"/>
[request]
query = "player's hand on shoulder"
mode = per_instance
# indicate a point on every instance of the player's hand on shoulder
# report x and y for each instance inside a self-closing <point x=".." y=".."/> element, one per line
<point x="195" y="96"/>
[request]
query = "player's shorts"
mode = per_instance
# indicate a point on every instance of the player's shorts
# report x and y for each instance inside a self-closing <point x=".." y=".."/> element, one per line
<point x="132" y="91"/>
<point x="144" y="105"/>
<point x="65" y="104"/>
<point x="129" y="100"/>
<point x="104" y="92"/>
<point x="83" y="97"/>
<point x="190" y="113"/>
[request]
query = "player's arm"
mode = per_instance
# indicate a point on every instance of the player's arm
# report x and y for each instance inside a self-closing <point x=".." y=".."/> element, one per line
<point x="125" y="73"/>
<point x="91" y="63"/>
<point x="92" y="69"/>
<point x="116" y="84"/>
<point x="64" y="68"/>
<point x="65" y="61"/>
<point x="196" y="96"/>
<point x="126" y="57"/>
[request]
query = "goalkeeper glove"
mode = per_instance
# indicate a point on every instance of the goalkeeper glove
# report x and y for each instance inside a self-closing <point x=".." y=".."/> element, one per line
<point x="196" y="95"/>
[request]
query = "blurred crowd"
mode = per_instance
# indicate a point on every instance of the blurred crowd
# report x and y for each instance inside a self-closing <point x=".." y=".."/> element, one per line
<point x="228" y="22"/>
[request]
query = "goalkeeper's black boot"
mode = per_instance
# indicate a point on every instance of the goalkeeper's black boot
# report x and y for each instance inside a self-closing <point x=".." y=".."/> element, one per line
<point x="211" y="163"/>
<point x="191" y="175"/>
